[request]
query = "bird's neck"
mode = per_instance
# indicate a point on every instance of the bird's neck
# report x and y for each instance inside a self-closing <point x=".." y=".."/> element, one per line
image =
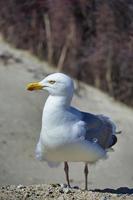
<point x="57" y="102"/>
<point x="53" y="112"/>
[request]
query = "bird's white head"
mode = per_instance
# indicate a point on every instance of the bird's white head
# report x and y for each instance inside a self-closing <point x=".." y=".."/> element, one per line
<point x="57" y="84"/>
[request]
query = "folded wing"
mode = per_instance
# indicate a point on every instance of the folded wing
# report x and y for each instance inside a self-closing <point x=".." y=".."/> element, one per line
<point x="100" y="129"/>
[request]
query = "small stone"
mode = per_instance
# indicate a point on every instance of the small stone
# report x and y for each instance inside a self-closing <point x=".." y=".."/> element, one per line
<point x="50" y="191"/>
<point x="61" y="190"/>
<point x="63" y="185"/>
<point x="76" y="187"/>
<point x="54" y="185"/>
<point x="3" y="187"/>
<point x="67" y="190"/>
<point x="104" y="198"/>
<point x="20" y="186"/>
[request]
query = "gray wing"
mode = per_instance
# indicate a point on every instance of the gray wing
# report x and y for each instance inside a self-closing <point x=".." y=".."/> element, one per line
<point x="100" y="129"/>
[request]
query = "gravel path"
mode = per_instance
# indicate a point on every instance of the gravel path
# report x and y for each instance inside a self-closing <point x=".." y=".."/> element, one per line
<point x="54" y="191"/>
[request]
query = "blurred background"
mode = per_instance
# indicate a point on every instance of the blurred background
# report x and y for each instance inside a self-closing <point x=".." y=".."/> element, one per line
<point x="92" y="41"/>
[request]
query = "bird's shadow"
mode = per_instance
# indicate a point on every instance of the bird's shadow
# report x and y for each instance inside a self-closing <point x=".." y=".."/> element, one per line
<point x="120" y="190"/>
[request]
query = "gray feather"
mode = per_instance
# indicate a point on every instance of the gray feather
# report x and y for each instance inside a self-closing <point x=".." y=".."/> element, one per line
<point x="99" y="128"/>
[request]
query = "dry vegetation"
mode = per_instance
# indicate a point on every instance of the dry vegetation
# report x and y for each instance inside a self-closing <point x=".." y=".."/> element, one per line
<point x="92" y="40"/>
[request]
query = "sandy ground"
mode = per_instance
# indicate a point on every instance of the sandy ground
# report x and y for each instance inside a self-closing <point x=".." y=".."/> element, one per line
<point x="20" y="122"/>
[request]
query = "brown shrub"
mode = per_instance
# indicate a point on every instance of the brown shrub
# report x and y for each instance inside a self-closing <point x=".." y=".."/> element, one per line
<point x="91" y="40"/>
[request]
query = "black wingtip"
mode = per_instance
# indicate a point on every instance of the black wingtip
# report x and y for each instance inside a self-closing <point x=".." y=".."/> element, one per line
<point x="114" y="140"/>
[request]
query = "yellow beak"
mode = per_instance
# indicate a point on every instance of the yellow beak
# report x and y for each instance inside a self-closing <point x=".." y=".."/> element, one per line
<point x="34" y="86"/>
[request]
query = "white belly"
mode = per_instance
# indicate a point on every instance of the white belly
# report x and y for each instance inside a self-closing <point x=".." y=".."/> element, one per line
<point x="75" y="152"/>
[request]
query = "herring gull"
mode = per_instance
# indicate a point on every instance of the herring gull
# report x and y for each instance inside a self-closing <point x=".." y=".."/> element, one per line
<point x="67" y="134"/>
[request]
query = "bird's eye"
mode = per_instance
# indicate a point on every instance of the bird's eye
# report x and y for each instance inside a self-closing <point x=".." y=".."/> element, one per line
<point x="51" y="82"/>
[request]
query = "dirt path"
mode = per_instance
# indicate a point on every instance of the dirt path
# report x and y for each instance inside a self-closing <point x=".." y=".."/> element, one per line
<point x="20" y="122"/>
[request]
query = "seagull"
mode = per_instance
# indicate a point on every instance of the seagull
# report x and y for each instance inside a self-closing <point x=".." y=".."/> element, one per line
<point x="68" y="134"/>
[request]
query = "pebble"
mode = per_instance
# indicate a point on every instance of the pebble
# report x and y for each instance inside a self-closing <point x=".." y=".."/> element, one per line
<point x="76" y="187"/>
<point x="104" y="198"/>
<point x="50" y="191"/>
<point x="54" y="185"/>
<point x="67" y="190"/>
<point x="20" y="186"/>
<point x="63" y="185"/>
